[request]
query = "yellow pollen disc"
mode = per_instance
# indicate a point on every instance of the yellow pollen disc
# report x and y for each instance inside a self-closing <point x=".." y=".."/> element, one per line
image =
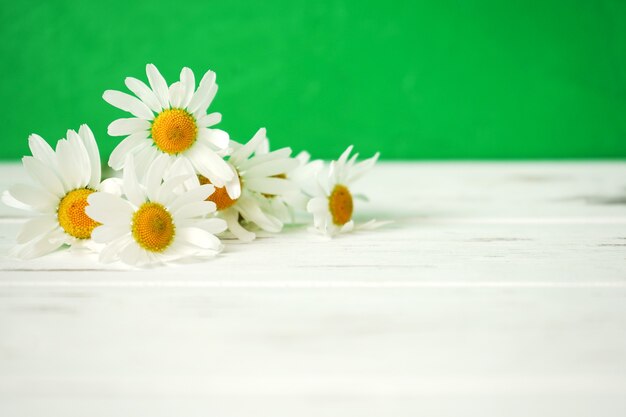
<point x="153" y="227"/>
<point x="340" y="205"/>
<point x="220" y="196"/>
<point x="71" y="214"/>
<point x="174" y="130"/>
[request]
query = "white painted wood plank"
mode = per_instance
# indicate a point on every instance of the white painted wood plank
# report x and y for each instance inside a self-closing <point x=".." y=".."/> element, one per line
<point x="288" y="352"/>
<point x="499" y="290"/>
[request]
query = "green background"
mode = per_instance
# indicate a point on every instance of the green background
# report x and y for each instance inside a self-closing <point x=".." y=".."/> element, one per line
<point x="414" y="79"/>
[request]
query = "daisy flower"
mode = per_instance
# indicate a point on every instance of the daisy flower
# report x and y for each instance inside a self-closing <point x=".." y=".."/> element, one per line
<point x="333" y="205"/>
<point x="170" y="121"/>
<point x="303" y="176"/>
<point x="153" y="223"/>
<point x="63" y="180"/>
<point x="257" y="178"/>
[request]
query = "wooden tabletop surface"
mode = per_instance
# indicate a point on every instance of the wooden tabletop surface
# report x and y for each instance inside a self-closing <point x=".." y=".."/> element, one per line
<point x="499" y="290"/>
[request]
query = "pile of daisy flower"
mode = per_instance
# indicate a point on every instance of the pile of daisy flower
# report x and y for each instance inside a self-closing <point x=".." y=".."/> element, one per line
<point x="181" y="184"/>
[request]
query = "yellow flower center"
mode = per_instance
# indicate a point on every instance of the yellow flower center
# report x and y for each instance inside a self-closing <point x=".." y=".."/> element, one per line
<point x="153" y="227"/>
<point x="220" y="196"/>
<point x="71" y="214"/>
<point x="174" y="130"/>
<point x="340" y="205"/>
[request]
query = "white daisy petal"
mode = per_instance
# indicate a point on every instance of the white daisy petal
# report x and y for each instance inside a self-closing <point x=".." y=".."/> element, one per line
<point x="212" y="225"/>
<point x="208" y="80"/>
<point x="37" y="198"/>
<point x="211" y="165"/>
<point x="129" y="145"/>
<point x="272" y="186"/>
<point x="206" y="102"/>
<point x="36" y="227"/>
<point x="106" y="234"/>
<point x="128" y="103"/>
<point x="158" y="85"/>
<point x="46" y="244"/>
<point x="154" y="176"/>
<point x="112" y="250"/>
<point x="246" y="150"/>
<point x="69" y="169"/>
<point x="195" y="209"/>
<point x="232" y="219"/>
<point x="44" y="175"/>
<point x="209" y="120"/>
<point x="94" y="155"/>
<point x="251" y="211"/>
<point x="132" y="189"/>
<point x="128" y="126"/>
<point x="246" y="164"/>
<point x="200" y="193"/>
<point x="176" y="94"/>
<point x="41" y="150"/>
<point x="131" y="254"/>
<point x="270" y="168"/>
<point x="188" y="82"/>
<point x="216" y="138"/>
<point x="233" y="187"/>
<point x="199" y="237"/>
<point x="145" y="94"/>
<point x="109" y="209"/>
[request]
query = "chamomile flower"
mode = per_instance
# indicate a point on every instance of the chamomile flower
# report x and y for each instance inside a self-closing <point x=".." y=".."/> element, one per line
<point x="333" y="205"/>
<point x="63" y="180"/>
<point x="153" y="223"/>
<point x="303" y="176"/>
<point x="257" y="178"/>
<point x="170" y="121"/>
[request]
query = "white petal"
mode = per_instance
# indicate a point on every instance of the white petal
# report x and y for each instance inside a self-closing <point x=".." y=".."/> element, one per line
<point x="209" y="120"/>
<point x="37" y="198"/>
<point x="112" y="186"/>
<point x="37" y="226"/>
<point x="94" y="155"/>
<point x="132" y="189"/>
<point x="188" y="83"/>
<point x="200" y="96"/>
<point x="49" y="242"/>
<point x="144" y="93"/>
<point x="261" y="159"/>
<point x="109" y="209"/>
<point x="44" y="175"/>
<point x="200" y="193"/>
<point x="233" y="187"/>
<point x="128" y="103"/>
<point x="176" y="94"/>
<point x="206" y="101"/>
<point x="154" y="176"/>
<point x="123" y="127"/>
<point x="317" y="204"/>
<point x="173" y="187"/>
<point x="158" y="85"/>
<point x="213" y="225"/>
<point x="273" y="186"/>
<point x="112" y="251"/>
<point x="81" y="158"/>
<point x="267" y="169"/>
<point x="246" y="150"/>
<point x="232" y="219"/>
<point x="211" y="165"/>
<point x="69" y="169"/>
<point x="106" y="234"/>
<point x="41" y="150"/>
<point x="195" y="209"/>
<point x="251" y="211"/>
<point x="217" y="139"/>
<point x="199" y="237"/>
<point x="131" y="254"/>
<point x="128" y="145"/>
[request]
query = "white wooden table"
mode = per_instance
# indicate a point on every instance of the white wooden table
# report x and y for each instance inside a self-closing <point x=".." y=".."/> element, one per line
<point x="500" y="290"/>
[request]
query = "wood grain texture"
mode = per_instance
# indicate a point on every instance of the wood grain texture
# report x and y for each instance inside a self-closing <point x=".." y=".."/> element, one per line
<point x="499" y="290"/>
